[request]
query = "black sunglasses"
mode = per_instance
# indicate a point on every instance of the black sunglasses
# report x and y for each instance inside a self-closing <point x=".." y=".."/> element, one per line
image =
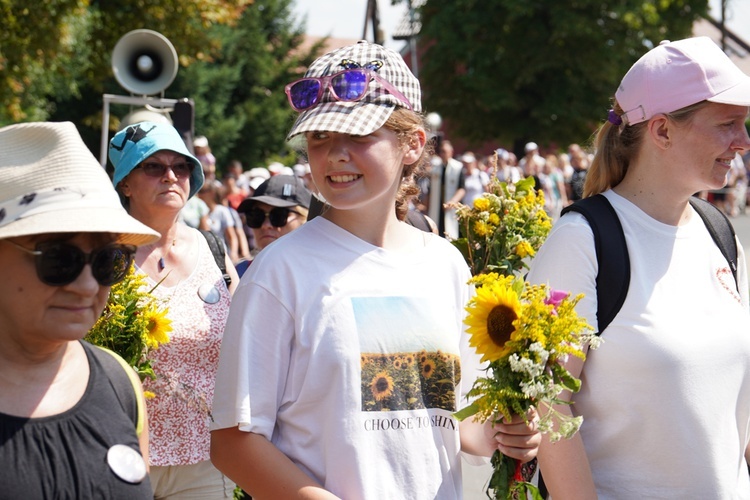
<point x="59" y="264"/>
<point x="156" y="169"/>
<point x="278" y="216"/>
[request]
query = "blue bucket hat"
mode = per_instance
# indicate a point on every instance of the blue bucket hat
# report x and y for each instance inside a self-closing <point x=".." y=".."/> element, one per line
<point x="133" y="144"/>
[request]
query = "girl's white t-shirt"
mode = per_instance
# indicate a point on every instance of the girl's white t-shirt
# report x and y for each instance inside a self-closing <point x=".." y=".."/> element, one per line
<point x="352" y="359"/>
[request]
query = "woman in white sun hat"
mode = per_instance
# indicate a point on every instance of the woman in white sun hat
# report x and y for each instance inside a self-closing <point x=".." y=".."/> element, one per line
<point x="69" y="411"/>
<point x="665" y="400"/>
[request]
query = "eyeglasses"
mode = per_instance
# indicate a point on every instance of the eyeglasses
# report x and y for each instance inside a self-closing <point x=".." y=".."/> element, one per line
<point x="349" y="85"/>
<point x="278" y="216"/>
<point x="156" y="169"/>
<point x="59" y="264"/>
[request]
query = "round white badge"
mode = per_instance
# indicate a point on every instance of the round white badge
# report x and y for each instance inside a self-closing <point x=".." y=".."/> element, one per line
<point x="209" y="293"/>
<point x="126" y="463"/>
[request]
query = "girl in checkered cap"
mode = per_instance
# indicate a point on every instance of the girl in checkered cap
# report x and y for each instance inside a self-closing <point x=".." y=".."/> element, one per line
<point x="344" y="358"/>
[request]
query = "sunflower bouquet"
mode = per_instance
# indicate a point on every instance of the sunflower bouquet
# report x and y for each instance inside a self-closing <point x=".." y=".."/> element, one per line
<point x="503" y="228"/>
<point x="525" y="333"/>
<point x="133" y="323"/>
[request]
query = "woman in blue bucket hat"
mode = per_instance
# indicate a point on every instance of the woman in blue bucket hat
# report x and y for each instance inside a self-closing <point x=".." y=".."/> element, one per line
<point x="155" y="174"/>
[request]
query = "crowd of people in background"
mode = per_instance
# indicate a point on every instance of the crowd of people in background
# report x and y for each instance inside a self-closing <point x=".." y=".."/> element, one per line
<point x="217" y="207"/>
<point x="559" y="173"/>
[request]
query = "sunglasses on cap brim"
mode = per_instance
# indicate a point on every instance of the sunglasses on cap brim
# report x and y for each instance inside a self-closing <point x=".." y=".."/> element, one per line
<point x="349" y="85"/>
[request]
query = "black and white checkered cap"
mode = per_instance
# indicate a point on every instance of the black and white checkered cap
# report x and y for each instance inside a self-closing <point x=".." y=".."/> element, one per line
<point x="367" y="115"/>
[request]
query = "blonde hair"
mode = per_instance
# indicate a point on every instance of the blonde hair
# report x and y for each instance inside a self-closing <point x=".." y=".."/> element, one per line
<point x="617" y="146"/>
<point x="405" y="124"/>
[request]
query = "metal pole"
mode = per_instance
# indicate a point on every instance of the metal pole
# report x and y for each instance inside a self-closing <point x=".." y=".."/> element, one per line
<point x="157" y="102"/>
<point x="723" y="25"/>
<point x="413" y="41"/>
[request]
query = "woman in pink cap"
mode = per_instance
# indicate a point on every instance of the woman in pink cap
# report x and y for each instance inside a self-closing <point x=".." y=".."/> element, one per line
<point x="666" y="398"/>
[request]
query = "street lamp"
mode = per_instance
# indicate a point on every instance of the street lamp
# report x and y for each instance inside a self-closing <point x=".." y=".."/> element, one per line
<point x="434" y="122"/>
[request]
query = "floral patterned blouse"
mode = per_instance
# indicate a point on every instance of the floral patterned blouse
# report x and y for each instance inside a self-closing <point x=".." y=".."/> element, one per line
<point x="180" y="412"/>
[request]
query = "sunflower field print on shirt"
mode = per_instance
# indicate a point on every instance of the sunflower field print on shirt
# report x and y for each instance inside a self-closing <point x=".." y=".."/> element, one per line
<point x="408" y="353"/>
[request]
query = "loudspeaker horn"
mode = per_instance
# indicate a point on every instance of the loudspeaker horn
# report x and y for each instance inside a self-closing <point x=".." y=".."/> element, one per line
<point x="144" y="62"/>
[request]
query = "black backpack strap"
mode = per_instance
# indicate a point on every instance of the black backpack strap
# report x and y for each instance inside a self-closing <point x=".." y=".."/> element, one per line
<point x="417" y="219"/>
<point x="721" y="231"/>
<point x="217" y="249"/>
<point x="613" y="278"/>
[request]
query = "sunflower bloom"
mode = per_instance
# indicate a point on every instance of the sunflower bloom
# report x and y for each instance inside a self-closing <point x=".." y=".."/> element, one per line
<point x="428" y="368"/>
<point x="492" y="318"/>
<point x="381" y="386"/>
<point x="158" y="328"/>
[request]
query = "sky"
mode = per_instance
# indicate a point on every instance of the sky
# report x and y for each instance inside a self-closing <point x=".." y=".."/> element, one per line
<point x="737" y="16"/>
<point x="346" y="18"/>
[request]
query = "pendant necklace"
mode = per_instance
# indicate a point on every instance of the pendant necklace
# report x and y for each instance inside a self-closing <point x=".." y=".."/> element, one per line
<point x="162" y="263"/>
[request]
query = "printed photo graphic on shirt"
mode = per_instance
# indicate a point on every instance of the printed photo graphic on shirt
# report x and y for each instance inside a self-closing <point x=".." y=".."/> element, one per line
<point x="406" y="358"/>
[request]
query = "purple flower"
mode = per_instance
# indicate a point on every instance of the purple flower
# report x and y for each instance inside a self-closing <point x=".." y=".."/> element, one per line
<point x="556" y="297"/>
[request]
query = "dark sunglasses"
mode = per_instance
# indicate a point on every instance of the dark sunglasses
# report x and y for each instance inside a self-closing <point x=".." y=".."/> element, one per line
<point x="59" y="264"/>
<point x="156" y="169"/>
<point x="278" y="216"/>
<point x="349" y="85"/>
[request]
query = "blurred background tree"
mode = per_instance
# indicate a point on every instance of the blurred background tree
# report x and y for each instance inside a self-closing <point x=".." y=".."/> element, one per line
<point x="505" y="71"/>
<point x="235" y="58"/>
<point x="544" y="70"/>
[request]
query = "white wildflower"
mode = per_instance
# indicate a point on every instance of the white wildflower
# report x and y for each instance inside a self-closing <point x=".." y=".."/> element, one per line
<point x="526" y="366"/>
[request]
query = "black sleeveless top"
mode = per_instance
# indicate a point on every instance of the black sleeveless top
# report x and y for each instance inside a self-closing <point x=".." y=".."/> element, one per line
<point x="64" y="456"/>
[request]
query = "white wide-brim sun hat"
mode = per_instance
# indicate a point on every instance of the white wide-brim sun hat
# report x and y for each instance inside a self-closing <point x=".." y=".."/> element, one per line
<point x="51" y="183"/>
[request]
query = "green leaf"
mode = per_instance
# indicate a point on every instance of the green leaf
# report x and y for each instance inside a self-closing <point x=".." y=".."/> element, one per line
<point x="503" y="470"/>
<point x="525" y="489"/>
<point x="470" y="410"/>
<point x="525" y="185"/>
<point x="566" y="379"/>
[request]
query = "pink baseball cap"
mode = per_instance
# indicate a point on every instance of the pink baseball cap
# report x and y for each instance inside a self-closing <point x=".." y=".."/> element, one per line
<point x="674" y="75"/>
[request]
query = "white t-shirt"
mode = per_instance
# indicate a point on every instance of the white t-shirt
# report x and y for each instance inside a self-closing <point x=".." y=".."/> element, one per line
<point x="348" y="358"/>
<point x="475" y="186"/>
<point x="221" y="220"/>
<point x="666" y="398"/>
<point x="193" y="211"/>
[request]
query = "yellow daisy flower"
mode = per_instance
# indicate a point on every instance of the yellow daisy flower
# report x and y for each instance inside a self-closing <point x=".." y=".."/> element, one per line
<point x="524" y="249"/>
<point x="482" y="228"/>
<point x="481" y="204"/>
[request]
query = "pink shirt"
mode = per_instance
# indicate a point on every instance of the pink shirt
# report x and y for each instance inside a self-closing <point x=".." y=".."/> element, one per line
<point x="180" y="413"/>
